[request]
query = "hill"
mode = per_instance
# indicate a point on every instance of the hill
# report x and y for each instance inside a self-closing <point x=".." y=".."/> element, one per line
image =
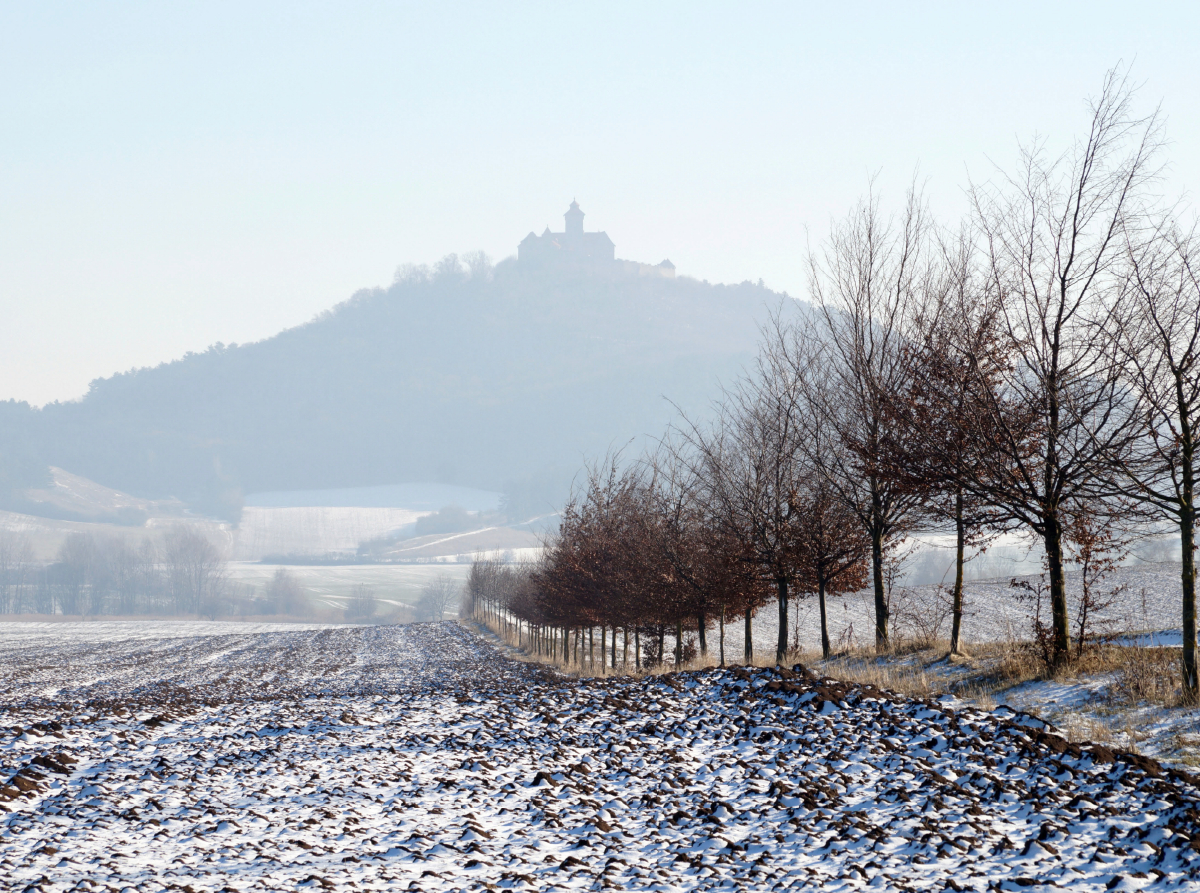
<point x="503" y="376"/>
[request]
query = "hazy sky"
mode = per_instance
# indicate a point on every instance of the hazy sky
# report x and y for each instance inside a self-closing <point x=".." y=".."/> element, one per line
<point x="177" y="174"/>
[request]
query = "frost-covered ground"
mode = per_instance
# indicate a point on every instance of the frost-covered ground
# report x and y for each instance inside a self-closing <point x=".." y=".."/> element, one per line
<point x="332" y="587"/>
<point x="1095" y="703"/>
<point x="312" y="530"/>
<point x="1147" y="598"/>
<point x="420" y="757"/>
<point x="20" y="639"/>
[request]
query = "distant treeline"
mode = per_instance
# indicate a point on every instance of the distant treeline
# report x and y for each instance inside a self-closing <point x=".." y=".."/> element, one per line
<point x="1035" y="367"/>
<point x="180" y="574"/>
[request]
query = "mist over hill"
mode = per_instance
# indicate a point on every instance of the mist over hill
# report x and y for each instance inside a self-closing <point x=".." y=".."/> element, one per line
<point x="502" y="376"/>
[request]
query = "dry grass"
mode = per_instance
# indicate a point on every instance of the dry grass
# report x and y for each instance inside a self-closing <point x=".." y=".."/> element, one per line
<point x="1149" y="676"/>
<point x="1142" y="675"/>
<point x="1004" y="665"/>
<point x="1080" y="727"/>
<point x="1186" y="748"/>
<point x="983" y="696"/>
<point x="906" y="680"/>
<point x="902" y="670"/>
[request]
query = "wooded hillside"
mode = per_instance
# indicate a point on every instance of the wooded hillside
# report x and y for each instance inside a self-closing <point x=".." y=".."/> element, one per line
<point x="465" y="373"/>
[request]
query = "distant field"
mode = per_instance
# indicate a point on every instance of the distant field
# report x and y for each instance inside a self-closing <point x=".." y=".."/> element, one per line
<point x="489" y="542"/>
<point x="313" y="530"/>
<point x="420" y="497"/>
<point x="29" y="636"/>
<point x="311" y="523"/>
<point x="46" y="535"/>
<point x="331" y="587"/>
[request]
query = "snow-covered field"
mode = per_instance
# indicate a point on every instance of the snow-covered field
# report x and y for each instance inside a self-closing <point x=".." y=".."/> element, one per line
<point x="420" y="757"/>
<point x="321" y="522"/>
<point x="312" y="530"/>
<point x="1149" y="599"/>
<point x="332" y="586"/>
<point x="62" y="636"/>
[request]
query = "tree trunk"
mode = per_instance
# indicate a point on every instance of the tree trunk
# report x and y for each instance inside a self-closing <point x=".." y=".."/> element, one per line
<point x="881" y="605"/>
<point x="960" y="546"/>
<point x="749" y="644"/>
<point x="625" y="649"/>
<point x="603" y="634"/>
<point x="662" y="638"/>
<point x="678" y="643"/>
<point x="592" y="648"/>
<point x="614" y="649"/>
<point x="825" y="647"/>
<point x="1058" y="593"/>
<point x="781" y="585"/>
<point x="701" y="623"/>
<point x="1187" y="540"/>
<point x="637" y="648"/>
<point x="722" y="635"/>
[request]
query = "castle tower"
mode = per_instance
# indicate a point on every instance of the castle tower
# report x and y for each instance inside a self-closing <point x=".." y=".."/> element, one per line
<point x="574" y="218"/>
<point x="573" y="247"/>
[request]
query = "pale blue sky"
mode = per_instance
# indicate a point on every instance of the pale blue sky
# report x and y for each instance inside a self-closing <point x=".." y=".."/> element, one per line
<point x="177" y="174"/>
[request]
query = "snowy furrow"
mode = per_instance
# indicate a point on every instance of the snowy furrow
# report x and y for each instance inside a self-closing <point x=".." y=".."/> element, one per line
<point x="420" y="756"/>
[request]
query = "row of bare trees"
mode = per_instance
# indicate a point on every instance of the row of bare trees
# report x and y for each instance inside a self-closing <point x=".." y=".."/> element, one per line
<point x="1036" y="368"/>
<point x="665" y="547"/>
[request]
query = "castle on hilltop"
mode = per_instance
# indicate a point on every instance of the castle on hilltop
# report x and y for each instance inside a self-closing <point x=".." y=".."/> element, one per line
<point x="574" y="247"/>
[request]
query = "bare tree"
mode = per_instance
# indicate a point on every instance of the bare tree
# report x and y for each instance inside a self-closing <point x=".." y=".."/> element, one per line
<point x="482" y="589"/>
<point x="1157" y="341"/>
<point x="1060" y="415"/>
<point x="284" y="594"/>
<point x="1096" y="547"/>
<point x="195" y="570"/>
<point x="748" y="462"/>
<point x="603" y="568"/>
<point x="77" y="570"/>
<point x="123" y="574"/>
<point x="362" y="604"/>
<point x="936" y="426"/>
<point x="438" y="597"/>
<point x="16" y="562"/>
<point x="831" y="545"/>
<point x="694" y="545"/>
<point x="868" y="283"/>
